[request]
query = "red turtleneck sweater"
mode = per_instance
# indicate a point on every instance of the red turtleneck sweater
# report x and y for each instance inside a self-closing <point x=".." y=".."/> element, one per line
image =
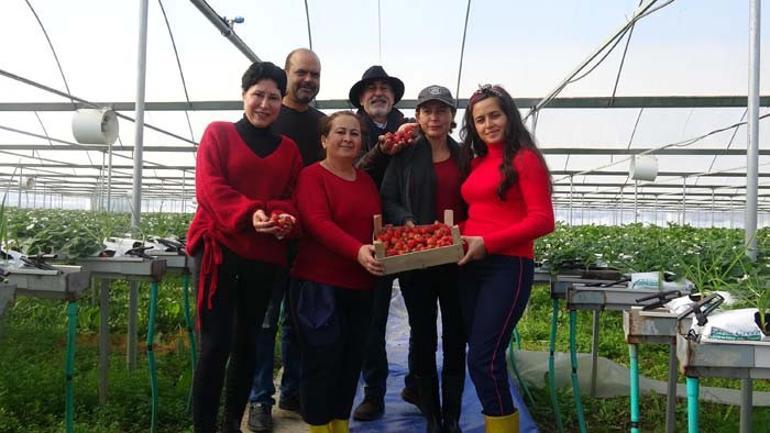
<point x="508" y="227"/>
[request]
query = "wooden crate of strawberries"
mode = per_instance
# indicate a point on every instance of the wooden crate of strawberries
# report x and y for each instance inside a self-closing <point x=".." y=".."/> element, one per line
<point x="402" y="248"/>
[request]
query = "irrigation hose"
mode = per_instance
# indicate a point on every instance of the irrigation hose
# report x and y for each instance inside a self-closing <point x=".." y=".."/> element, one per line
<point x="69" y="399"/>
<point x="151" y="355"/>
<point x="634" y="382"/>
<point x="692" y="404"/>
<point x="574" y="374"/>
<point x="551" y="365"/>
<point x="512" y="360"/>
<point x="190" y="332"/>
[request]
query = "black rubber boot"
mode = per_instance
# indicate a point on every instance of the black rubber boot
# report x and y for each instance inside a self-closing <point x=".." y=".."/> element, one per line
<point x="451" y="402"/>
<point x="430" y="405"/>
<point x="231" y="426"/>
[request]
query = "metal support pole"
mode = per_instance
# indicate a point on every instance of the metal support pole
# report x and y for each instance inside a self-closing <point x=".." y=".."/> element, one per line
<point x="223" y="27"/>
<point x="151" y="355"/>
<point x="571" y="191"/>
<point x="655" y="210"/>
<point x="139" y="142"/>
<point x="752" y="154"/>
<point x="684" y="200"/>
<point x="636" y="201"/>
<point x="746" y="405"/>
<point x="109" y="178"/>
<point x="104" y="339"/>
<point x="20" y="182"/>
<point x="621" y="206"/>
<point x="133" y="313"/>
<point x="101" y="182"/>
<point x="713" y="206"/>
<point x="184" y="190"/>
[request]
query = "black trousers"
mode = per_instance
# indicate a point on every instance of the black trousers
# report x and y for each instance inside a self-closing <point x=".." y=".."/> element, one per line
<point x="424" y="292"/>
<point x="331" y="324"/>
<point x="228" y="331"/>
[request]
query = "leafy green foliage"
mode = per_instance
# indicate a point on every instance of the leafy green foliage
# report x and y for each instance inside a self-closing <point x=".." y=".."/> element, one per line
<point x="74" y="234"/>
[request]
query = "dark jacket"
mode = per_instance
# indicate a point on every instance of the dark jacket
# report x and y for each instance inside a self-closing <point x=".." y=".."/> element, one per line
<point x="408" y="189"/>
<point x="372" y="160"/>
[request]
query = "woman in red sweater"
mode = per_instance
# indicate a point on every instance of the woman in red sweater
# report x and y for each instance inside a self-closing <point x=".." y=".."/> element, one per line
<point x="507" y="189"/>
<point x="244" y="173"/>
<point x="333" y="274"/>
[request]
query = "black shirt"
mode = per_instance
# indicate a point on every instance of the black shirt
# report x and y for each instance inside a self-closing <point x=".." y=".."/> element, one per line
<point x="303" y="128"/>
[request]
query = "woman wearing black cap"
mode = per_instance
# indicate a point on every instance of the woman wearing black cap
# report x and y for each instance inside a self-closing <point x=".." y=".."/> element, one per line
<point x="419" y="184"/>
<point x="244" y="174"/>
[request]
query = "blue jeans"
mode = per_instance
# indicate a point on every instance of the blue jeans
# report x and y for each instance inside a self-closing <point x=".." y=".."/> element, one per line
<point x="262" y="387"/>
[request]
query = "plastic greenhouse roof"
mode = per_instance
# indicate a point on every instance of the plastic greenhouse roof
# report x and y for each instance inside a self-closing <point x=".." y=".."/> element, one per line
<point x="686" y="49"/>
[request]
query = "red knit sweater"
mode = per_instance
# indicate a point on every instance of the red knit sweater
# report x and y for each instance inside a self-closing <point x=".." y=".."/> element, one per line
<point x="508" y="227"/>
<point x="337" y="219"/>
<point x="231" y="183"/>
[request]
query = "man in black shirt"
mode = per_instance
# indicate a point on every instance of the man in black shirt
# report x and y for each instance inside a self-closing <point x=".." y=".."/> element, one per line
<point x="300" y="122"/>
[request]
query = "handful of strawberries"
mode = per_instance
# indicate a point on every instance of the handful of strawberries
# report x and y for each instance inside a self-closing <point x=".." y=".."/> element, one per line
<point x="404" y="239"/>
<point x="283" y="221"/>
<point x="402" y="138"/>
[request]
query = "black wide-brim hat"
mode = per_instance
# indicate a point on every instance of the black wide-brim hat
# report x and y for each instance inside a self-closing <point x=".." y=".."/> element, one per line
<point x="375" y="73"/>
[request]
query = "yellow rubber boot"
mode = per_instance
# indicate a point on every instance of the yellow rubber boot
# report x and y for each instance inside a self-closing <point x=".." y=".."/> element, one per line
<point x="326" y="428"/>
<point x="339" y="426"/>
<point x="502" y="424"/>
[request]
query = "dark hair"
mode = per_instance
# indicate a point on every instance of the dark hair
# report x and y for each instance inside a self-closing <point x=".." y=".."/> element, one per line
<point x="516" y="137"/>
<point x="325" y="124"/>
<point x="264" y="71"/>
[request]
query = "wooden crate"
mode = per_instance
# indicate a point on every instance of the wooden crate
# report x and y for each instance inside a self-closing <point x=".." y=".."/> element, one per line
<point x="420" y="259"/>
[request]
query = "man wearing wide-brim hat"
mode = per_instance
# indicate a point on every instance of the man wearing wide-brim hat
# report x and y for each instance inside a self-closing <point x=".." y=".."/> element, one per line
<point x="374" y="96"/>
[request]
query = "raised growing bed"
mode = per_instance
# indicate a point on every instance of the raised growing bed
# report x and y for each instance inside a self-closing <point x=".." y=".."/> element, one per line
<point x="63" y="282"/>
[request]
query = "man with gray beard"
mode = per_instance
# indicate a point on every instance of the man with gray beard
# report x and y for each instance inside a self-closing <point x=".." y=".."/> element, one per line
<point x="374" y="96"/>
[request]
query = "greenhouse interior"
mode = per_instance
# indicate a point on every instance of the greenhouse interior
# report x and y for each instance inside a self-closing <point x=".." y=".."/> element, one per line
<point x="650" y="294"/>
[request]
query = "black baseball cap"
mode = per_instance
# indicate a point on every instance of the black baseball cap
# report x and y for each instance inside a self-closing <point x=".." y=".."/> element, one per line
<point x="436" y="93"/>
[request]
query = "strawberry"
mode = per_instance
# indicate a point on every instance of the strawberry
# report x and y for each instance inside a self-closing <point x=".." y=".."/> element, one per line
<point x="283" y="220"/>
<point x="404" y="240"/>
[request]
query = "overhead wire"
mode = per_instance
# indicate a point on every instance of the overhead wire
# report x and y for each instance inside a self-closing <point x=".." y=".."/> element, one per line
<point x="623" y="60"/>
<point x="682" y="143"/>
<point x="729" y="143"/>
<point x="58" y="64"/>
<point x="32" y="134"/>
<point x="49" y="89"/>
<point x="642" y="11"/>
<point x="462" y="53"/>
<point x="179" y="66"/>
